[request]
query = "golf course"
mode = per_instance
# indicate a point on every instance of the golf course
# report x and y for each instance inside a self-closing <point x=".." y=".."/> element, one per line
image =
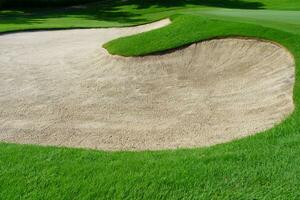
<point x="154" y="99"/>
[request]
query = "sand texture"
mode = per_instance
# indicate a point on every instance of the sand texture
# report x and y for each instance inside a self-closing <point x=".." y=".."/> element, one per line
<point x="62" y="88"/>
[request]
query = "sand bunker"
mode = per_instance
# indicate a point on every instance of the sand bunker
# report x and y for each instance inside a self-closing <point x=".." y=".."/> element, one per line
<point x="61" y="88"/>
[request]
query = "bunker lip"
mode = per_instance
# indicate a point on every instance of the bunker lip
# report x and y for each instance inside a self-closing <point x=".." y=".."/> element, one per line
<point x="152" y="26"/>
<point x="65" y="90"/>
<point x="167" y="51"/>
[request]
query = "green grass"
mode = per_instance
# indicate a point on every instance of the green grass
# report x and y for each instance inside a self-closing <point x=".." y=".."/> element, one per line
<point x="277" y="19"/>
<point x="279" y="4"/>
<point x="264" y="166"/>
<point x="117" y="13"/>
<point x="199" y="28"/>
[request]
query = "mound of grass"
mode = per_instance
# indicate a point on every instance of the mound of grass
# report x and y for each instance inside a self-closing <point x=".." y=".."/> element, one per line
<point x="183" y="31"/>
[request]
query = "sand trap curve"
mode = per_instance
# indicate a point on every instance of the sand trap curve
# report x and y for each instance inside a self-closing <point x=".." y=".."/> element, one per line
<point x="61" y="88"/>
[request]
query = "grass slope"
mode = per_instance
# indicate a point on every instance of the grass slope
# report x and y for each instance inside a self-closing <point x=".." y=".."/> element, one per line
<point x="198" y="28"/>
<point x="264" y="166"/>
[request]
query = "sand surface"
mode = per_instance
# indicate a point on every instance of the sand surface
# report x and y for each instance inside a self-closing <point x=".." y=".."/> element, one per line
<point x="62" y="88"/>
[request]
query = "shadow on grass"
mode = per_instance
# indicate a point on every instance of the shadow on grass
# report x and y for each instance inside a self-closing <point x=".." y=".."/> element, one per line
<point x="121" y="11"/>
<point x="241" y="4"/>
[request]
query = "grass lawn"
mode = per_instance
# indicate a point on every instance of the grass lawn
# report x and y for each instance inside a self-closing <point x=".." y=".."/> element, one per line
<point x="264" y="166"/>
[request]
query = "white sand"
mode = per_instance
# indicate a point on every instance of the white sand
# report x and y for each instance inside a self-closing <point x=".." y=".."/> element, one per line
<point x="61" y="88"/>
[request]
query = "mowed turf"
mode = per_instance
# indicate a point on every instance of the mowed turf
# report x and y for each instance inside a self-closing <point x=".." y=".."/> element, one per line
<point x="264" y="166"/>
<point x="108" y="13"/>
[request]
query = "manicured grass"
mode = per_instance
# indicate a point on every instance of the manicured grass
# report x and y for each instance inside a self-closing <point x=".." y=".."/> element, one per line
<point x="279" y="4"/>
<point x="254" y="4"/>
<point x="277" y="19"/>
<point x="94" y="15"/>
<point x="116" y="13"/>
<point x="264" y="166"/>
<point x="198" y="28"/>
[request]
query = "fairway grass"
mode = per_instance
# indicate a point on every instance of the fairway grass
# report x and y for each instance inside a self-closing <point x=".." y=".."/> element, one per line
<point x="264" y="166"/>
<point x="108" y="13"/>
